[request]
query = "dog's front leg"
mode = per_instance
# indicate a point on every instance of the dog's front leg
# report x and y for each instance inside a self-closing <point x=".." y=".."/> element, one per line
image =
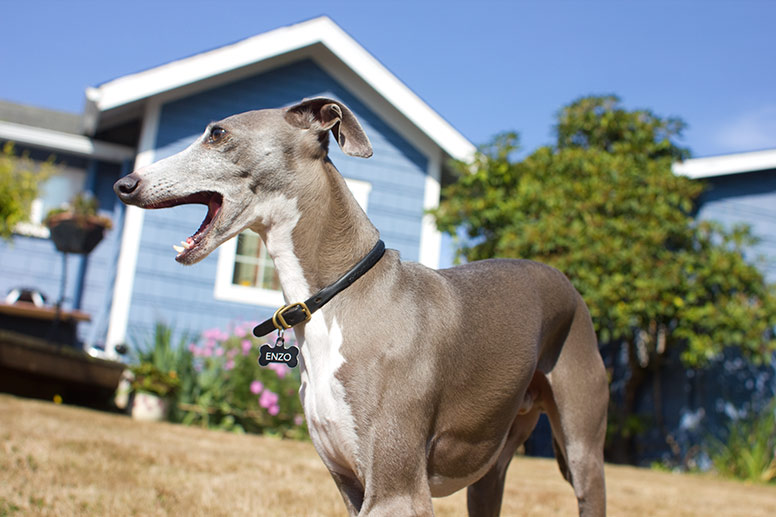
<point x="397" y="484"/>
<point x="410" y="502"/>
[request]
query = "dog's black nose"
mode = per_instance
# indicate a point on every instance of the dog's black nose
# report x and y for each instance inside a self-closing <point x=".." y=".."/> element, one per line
<point x="126" y="185"/>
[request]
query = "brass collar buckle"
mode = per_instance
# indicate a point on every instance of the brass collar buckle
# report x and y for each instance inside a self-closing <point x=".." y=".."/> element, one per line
<point x="295" y="313"/>
<point x="280" y="322"/>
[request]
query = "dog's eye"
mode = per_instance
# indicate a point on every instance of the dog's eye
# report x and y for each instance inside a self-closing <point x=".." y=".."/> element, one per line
<point x="216" y="134"/>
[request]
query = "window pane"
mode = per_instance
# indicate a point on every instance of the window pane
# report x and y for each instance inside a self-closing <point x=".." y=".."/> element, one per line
<point x="270" y="278"/>
<point x="253" y="267"/>
<point x="59" y="190"/>
<point x="248" y="244"/>
<point x="244" y="274"/>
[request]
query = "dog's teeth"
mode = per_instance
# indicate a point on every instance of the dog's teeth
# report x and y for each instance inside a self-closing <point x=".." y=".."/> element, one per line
<point x="186" y="244"/>
<point x="179" y="249"/>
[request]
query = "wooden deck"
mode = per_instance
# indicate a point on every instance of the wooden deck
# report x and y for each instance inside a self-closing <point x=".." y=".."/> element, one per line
<point x="49" y="322"/>
<point x="34" y="367"/>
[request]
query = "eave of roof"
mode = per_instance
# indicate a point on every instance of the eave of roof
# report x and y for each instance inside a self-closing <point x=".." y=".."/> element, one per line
<point x="319" y="31"/>
<point x="722" y="165"/>
<point x="53" y="140"/>
<point x="41" y="117"/>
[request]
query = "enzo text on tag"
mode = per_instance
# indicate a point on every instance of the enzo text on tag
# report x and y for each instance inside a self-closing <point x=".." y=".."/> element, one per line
<point x="278" y="354"/>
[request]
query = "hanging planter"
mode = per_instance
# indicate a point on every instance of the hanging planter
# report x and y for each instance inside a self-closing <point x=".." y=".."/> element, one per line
<point x="77" y="228"/>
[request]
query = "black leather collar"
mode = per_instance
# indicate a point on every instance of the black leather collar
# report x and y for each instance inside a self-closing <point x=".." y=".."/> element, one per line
<point x="299" y="312"/>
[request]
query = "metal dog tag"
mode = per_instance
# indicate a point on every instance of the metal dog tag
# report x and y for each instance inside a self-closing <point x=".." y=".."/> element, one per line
<point x="278" y="353"/>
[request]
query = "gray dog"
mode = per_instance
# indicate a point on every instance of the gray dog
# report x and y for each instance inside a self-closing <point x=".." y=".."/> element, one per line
<point x="415" y="382"/>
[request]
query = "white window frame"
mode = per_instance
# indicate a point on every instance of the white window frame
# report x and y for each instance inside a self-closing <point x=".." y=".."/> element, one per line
<point x="227" y="291"/>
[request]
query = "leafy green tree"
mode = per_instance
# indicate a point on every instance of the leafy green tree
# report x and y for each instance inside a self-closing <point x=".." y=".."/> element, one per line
<point x="20" y="178"/>
<point x="603" y="206"/>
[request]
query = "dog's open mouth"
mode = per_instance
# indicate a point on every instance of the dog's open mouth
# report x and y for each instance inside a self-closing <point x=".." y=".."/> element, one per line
<point x="213" y="201"/>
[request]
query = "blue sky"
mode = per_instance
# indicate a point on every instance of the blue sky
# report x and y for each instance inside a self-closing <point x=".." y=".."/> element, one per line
<point x="486" y="66"/>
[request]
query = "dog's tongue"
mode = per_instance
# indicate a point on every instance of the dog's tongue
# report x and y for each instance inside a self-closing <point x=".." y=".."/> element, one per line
<point x="213" y="207"/>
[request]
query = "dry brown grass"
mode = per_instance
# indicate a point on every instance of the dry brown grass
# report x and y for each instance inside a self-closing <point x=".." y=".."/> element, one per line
<point x="67" y="461"/>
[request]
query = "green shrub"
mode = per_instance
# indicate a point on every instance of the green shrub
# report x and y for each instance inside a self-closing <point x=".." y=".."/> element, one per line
<point x="20" y="178"/>
<point x="215" y="381"/>
<point x="150" y="379"/>
<point x="232" y="392"/>
<point x="749" y="452"/>
<point x="161" y="368"/>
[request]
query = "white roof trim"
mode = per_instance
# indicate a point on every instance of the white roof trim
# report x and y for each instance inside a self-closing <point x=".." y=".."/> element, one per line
<point x="726" y="164"/>
<point x="68" y="142"/>
<point x="134" y="87"/>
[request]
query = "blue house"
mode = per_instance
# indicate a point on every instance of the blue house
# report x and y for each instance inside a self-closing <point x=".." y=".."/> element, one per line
<point x="131" y="280"/>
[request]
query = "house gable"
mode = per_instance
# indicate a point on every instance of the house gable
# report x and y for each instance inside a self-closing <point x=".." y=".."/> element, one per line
<point x="171" y="104"/>
<point x="320" y="39"/>
<point x="397" y="176"/>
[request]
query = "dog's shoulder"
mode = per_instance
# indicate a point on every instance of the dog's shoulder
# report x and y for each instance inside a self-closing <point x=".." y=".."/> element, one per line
<point x="515" y="275"/>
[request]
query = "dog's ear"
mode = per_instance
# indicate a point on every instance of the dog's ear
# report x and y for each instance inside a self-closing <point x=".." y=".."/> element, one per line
<point x="325" y="114"/>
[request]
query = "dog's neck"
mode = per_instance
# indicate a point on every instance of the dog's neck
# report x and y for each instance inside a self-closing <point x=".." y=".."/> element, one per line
<point x="323" y="233"/>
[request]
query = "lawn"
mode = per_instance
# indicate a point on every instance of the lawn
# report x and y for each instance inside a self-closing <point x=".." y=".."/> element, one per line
<point x="57" y="460"/>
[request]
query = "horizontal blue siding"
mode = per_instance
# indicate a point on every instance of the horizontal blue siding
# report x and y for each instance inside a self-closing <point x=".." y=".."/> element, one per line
<point x="746" y="198"/>
<point x="183" y="296"/>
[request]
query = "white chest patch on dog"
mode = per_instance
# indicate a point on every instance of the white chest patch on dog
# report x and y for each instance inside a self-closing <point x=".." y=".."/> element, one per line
<point x="280" y="216"/>
<point x="329" y="417"/>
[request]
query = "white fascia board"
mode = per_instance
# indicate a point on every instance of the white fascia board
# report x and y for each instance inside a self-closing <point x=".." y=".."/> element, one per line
<point x="738" y="163"/>
<point x="130" y="240"/>
<point x="178" y="74"/>
<point x="430" y="236"/>
<point x="58" y="141"/>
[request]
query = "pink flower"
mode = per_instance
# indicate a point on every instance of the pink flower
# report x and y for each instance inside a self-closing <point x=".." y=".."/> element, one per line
<point x="256" y="387"/>
<point x="279" y="368"/>
<point x="229" y="365"/>
<point x="298" y="420"/>
<point x="215" y="335"/>
<point x="219" y="351"/>
<point x="212" y="334"/>
<point x="240" y="331"/>
<point x="268" y="399"/>
<point x="246" y="346"/>
<point x="273" y="410"/>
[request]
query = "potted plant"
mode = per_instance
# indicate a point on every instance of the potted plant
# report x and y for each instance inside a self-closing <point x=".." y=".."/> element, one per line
<point x="153" y="389"/>
<point x="76" y="228"/>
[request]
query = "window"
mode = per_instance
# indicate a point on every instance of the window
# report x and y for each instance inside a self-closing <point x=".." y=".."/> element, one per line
<point x="59" y="190"/>
<point x="245" y="272"/>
